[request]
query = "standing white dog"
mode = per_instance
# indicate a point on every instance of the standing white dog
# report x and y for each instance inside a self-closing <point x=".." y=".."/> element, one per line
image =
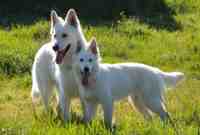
<point x="105" y="83"/>
<point x="53" y="61"/>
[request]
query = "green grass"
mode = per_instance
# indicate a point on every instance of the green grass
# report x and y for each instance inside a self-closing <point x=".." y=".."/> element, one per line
<point x="127" y="40"/>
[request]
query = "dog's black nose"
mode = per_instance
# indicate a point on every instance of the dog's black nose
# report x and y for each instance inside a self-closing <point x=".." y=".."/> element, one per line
<point x="86" y="70"/>
<point x="55" y="47"/>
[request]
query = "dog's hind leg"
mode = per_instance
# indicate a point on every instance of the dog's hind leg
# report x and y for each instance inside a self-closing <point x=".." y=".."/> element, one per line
<point x="46" y="88"/>
<point x="156" y="105"/>
<point x="140" y="106"/>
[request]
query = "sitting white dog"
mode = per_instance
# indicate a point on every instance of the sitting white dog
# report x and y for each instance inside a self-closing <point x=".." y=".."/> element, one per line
<point x="105" y="83"/>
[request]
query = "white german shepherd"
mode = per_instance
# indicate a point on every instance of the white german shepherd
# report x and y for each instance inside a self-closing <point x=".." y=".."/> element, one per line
<point x="53" y="62"/>
<point x="105" y="83"/>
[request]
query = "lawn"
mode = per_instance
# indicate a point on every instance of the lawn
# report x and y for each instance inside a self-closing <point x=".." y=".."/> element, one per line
<point x="175" y="47"/>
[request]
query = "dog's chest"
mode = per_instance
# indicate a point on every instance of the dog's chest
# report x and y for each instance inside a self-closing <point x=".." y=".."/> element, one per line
<point x="67" y="79"/>
<point x="90" y="94"/>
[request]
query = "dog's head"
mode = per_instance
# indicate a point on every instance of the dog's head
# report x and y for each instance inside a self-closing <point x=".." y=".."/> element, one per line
<point x="64" y="34"/>
<point x="87" y="61"/>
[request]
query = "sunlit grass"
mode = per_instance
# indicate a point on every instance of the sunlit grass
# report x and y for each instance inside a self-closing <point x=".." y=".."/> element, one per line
<point x="128" y="40"/>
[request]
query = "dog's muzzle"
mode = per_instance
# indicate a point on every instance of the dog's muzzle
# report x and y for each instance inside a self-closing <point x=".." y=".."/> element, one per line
<point x="55" y="47"/>
<point x="60" y="54"/>
<point x="85" y="76"/>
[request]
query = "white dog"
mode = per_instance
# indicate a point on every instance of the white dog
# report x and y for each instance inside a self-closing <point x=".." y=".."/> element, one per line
<point x="53" y="62"/>
<point x="105" y="83"/>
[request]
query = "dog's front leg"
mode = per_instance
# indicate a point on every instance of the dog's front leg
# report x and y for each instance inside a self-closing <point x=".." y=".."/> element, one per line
<point x="89" y="109"/>
<point x="64" y="105"/>
<point x="89" y="106"/>
<point x="108" y="111"/>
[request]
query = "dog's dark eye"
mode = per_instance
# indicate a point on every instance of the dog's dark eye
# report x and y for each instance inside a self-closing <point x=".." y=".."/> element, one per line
<point x="81" y="59"/>
<point x="64" y="35"/>
<point x="90" y="60"/>
<point x="54" y="35"/>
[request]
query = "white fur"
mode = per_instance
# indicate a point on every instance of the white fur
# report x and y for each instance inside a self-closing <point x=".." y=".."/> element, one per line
<point x="144" y="84"/>
<point x="46" y="73"/>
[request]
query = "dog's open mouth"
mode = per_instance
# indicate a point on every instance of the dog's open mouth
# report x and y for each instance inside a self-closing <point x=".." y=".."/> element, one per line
<point x="85" y="79"/>
<point x="61" y="54"/>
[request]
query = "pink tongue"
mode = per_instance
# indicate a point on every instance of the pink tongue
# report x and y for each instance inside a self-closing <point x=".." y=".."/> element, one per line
<point x="59" y="57"/>
<point x="85" y="80"/>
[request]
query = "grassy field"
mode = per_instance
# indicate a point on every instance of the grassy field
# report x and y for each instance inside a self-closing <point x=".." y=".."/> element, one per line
<point x="176" y="48"/>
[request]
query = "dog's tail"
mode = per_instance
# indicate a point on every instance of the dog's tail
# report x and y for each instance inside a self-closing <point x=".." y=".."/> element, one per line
<point x="171" y="79"/>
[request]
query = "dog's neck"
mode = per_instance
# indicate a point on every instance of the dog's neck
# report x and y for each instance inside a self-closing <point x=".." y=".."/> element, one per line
<point x="67" y="63"/>
<point x="80" y="35"/>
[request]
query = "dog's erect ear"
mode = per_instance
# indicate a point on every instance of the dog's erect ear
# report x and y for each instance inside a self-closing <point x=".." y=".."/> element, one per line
<point x="93" y="46"/>
<point x="54" y="20"/>
<point x="71" y="18"/>
<point x="79" y="47"/>
<point x="54" y="17"/>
